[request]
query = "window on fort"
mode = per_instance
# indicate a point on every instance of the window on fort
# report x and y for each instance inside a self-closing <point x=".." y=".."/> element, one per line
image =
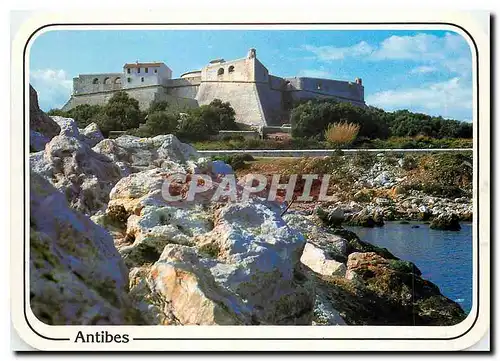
<point x="118" y="81"/>
<point x="128" y="70"/>
<point x="231" y="69"/>
<point x="220" y="71"/>
<point x="129" y="80"/>
<point x="156" y="70"/>
<point x="146" y="70"/>
<point x="319" y="86"/>
<point x="138" y="70"/>
<point x="95" y="81"/>
<point x="142" y="80"/>
<point x="107" y="81"/>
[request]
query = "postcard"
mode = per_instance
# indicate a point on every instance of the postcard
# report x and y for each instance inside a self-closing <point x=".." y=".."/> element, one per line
<point x="315" y="184"/>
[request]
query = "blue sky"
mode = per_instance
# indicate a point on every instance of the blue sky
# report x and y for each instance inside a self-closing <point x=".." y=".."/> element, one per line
<point x="423" y="71"/>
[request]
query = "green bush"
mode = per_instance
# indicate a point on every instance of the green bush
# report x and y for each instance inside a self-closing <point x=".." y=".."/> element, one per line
<point x="236" y="161"/>
<point x="205" y="121"/>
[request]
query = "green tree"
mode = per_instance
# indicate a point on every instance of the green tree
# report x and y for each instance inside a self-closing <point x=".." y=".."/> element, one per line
<point x="84" y="114"/>
<point x="158" y="106"/>
<point x="205" y="121"/>
<point x="223" y="116"/>
<point x="120" y="113"/>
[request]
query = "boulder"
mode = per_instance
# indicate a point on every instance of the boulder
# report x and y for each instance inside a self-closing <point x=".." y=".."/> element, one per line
<point x="397" y="293"/>
<point x="37" y="141"/>
<point x="68" y="126"/>
<point x="40" y="123"/>
<point x="320" y="262"/>
<point x="365" y="218"/>
<point x="173" y="149"/>
<point x="447" y="222"/>
<point x="258" y="258"/>
<point x="91" y="134"/>
<point x="241" y="260"/>
<point x="332" y="217"/>
<point x="77" y="277"/>
<point x="191" y="292"/>
<point x="156" y="227"/>
<point x="82" y="175"/>
<point x="135" y="154"/>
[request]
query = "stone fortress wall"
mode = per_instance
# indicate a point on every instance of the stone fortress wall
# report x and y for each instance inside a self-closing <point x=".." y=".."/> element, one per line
<point x="258" y="98"/>
<point x="94" y="83"/>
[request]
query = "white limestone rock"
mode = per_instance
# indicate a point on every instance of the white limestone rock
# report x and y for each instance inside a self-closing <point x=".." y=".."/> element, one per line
<point x="157" y="227"/>
<point x="173" y="149"/>
<point x="256" y="255"/>
<point x="320" y="262"/>
<point x="84" y="176"/>
<point x="137" y="154"/>
<point x="68" y="126"/>
<point x="151" y="307"/>
<point x="237" y="265"/>
<point x="191" y="293"/>
<point x="77" y="276"/>
<point x="91" y="134"/>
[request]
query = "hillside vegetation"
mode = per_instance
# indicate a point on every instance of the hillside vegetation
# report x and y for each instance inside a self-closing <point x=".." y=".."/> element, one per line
<point x="311" y="121"/>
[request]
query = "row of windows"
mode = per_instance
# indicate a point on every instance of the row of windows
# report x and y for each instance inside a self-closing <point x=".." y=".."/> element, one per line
<point x="229" y="70"/>
<point x="129" y="80"/>
<point x="146" y="70"/>
<point x="107" y="81"/>
<point x="116" y="81"/>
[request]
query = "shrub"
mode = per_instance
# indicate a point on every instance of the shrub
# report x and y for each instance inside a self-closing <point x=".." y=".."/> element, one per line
<point x="205" y="121"/>
<point x="341" y="134"/>
<point x="157" y="123"/>
<point x="236" y="161"/>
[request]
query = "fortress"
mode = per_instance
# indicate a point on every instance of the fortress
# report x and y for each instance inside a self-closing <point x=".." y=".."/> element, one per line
<point x="258" y="98"/>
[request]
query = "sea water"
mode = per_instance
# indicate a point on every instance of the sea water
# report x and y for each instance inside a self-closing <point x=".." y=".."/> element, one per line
<point x="444" y="257"/>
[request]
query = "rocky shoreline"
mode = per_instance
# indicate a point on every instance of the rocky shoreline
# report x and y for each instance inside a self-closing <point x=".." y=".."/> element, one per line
<point x="369" y="189"/>
<point x="107" y="248"/>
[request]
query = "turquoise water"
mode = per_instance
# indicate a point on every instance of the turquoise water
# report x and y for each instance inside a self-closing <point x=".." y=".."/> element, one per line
<point x="444" y="257"/>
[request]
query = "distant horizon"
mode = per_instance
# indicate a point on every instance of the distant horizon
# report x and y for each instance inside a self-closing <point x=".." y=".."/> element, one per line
<point x="426" y="72"/>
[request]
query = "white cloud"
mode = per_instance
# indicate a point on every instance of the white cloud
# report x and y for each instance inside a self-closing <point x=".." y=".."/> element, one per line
<point x="450" y="51"/>
<point x="424" y="69"/>
<point x="328" y="53"/>
<point x="53" y="87"/>
<point x="451" y="99"/>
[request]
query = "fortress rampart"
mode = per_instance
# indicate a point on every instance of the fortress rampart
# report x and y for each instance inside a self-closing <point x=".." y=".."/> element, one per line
<point x="257" y="97"/>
